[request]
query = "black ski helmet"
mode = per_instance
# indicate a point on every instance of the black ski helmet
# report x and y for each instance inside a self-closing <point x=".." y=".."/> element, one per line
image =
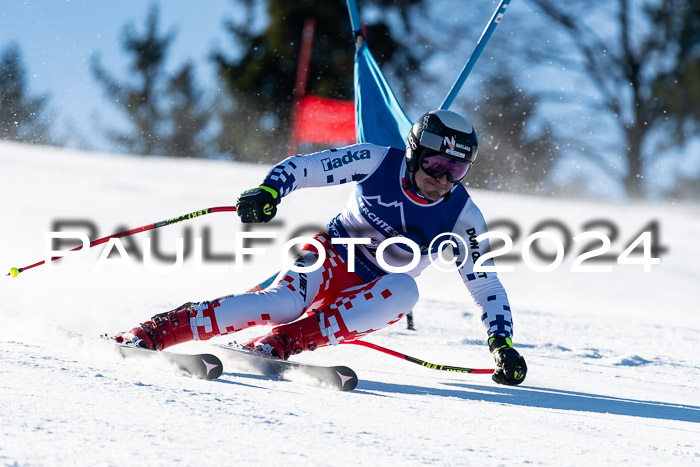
<point x="441" y="132"/>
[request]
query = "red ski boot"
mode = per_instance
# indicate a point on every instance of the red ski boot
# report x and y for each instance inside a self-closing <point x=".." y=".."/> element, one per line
<point x="292" y="338"/>
<point x="164" y="330"/>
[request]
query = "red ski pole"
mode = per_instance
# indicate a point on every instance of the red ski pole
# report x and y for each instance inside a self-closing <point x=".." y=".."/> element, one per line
<point x="486" y="371"/>
<point x="433" y="366"/>
<point x="14" y="272"/>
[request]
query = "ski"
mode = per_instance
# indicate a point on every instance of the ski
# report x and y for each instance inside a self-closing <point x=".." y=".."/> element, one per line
<point x="203" y="365"/>
<point x="340" y="378"/>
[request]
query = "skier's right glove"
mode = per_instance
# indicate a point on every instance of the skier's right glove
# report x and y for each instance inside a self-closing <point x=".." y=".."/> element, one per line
<point x="510" y="366"/>
<point x="258" y="204"/>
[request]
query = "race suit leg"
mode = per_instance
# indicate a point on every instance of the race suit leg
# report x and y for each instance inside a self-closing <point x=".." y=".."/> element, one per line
<point x="349" y="306"/>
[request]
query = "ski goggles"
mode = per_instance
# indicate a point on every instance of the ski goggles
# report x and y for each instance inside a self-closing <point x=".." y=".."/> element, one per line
<point x="438" y="165"/>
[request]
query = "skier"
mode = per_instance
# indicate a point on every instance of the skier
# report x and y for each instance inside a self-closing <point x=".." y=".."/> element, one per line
<point x="414" y="194"/>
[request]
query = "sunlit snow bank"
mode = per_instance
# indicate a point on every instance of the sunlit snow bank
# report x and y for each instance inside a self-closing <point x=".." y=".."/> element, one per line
<point x="614" y="367"/>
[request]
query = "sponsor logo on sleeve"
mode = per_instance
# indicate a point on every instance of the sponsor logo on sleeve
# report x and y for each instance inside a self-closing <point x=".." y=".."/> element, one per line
<point x="350" y="157"/>
<point x="474" y="248"/>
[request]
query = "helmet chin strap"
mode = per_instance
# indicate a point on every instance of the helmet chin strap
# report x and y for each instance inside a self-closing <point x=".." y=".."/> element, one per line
<point x="409" y="180"/>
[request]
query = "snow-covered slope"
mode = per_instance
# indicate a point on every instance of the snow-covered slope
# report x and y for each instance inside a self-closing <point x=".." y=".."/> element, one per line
<point x="614" y="358"/>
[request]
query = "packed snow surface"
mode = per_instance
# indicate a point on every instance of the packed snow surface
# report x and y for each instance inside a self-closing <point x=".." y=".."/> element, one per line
<point x="613" y="357"/>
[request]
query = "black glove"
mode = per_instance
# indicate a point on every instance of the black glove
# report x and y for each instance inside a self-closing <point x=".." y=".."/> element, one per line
<point x="510" y="365"/>
<point x="257" y="205"/>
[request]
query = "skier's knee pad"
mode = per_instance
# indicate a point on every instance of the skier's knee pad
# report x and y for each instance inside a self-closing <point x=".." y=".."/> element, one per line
<point x="377" y="304"/>
<point x="282" y="303"/>
<point x="405" y="287"/>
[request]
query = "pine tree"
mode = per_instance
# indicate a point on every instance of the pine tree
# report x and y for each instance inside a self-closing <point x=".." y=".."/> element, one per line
<point x="166" y="115"/>
<point x="22" y="116"/>
<point x="139" y="101"/>
<point x="189" y="117"/>
<point x="513" y="154"/>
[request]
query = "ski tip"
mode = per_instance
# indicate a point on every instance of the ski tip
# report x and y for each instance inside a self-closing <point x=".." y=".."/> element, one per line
<point x="347" y="377"/>
<point x="213" y="366"/>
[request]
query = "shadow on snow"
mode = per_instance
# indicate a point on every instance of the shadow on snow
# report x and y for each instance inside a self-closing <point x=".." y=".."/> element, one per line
<point x="545" y="398"/>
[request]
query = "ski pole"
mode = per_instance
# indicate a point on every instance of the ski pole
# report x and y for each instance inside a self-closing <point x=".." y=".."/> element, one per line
<point x="354" y="18"/>
<point x="14" y="272"/>
<point x="433" y="366"/>
<point x="266" y="283"/>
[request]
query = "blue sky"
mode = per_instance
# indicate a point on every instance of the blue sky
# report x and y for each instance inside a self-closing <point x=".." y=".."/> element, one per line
<point x="57" y="39"/>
